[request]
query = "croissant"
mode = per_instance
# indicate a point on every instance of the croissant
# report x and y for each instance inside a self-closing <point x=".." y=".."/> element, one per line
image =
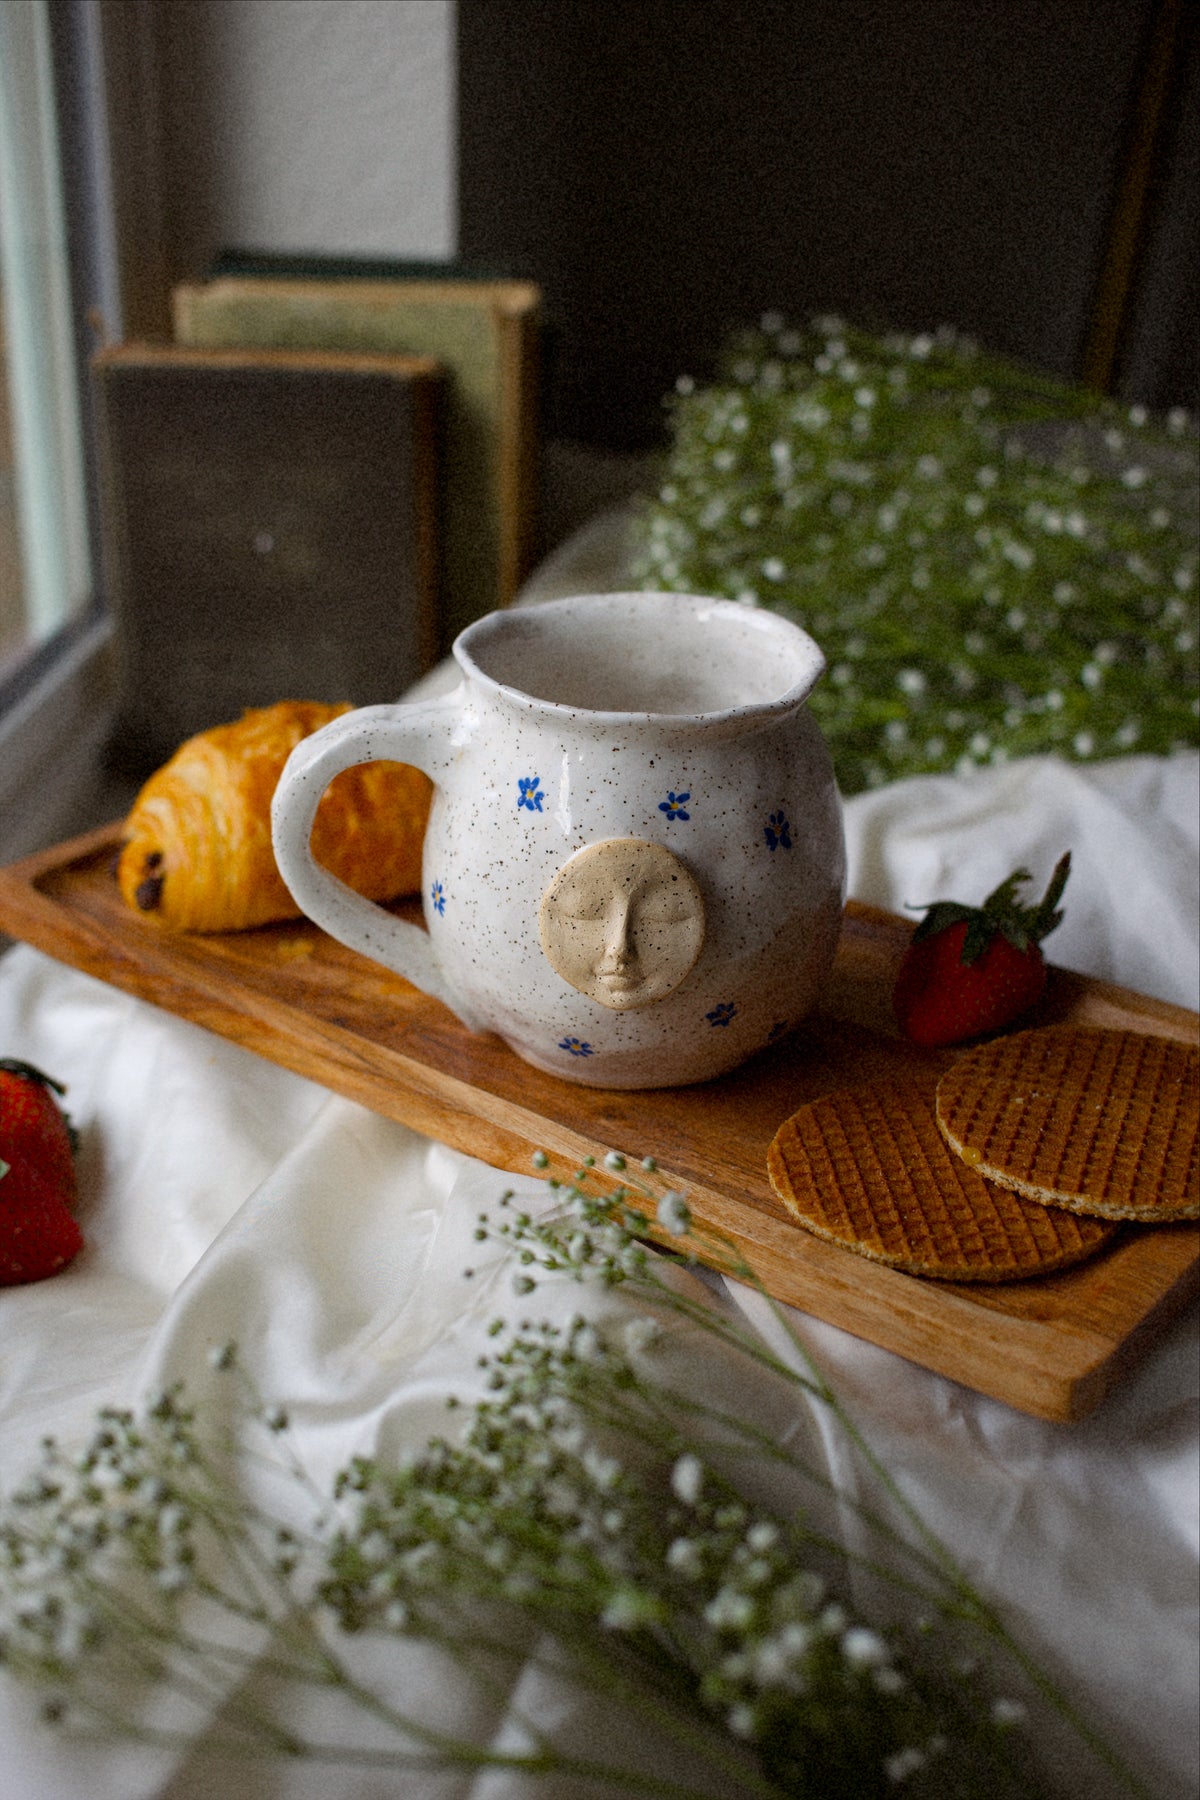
<point x="197" y="853"/>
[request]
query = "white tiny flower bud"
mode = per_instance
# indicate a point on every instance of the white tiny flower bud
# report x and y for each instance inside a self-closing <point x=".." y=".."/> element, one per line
<point x="687" y="1478"/>
<point x="684" y="1557"/>
<point x="903" y="1763"/>
<point x="864" y="1649"/>
<point x="729" y="1610"/>
<point x="674" y="1214"/>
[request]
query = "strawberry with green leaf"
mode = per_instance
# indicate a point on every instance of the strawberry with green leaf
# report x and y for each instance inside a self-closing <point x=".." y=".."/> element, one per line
<point x="38" y="1234"/>
<point x="973" y="969"/>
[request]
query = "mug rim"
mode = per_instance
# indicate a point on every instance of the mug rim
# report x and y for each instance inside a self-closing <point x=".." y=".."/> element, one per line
<point x="757" y="618"/>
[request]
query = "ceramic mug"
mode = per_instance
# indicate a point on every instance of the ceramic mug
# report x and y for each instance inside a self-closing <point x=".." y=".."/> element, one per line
<point x="634" y="867"/>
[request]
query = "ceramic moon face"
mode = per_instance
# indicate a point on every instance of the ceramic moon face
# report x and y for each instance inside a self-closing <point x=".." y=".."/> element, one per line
<point x="623" y="922"/>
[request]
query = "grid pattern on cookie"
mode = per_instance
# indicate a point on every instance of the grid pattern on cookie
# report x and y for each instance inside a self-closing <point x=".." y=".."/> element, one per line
<point x="1099" y="1121"/>
<point x="866" y="1167"/>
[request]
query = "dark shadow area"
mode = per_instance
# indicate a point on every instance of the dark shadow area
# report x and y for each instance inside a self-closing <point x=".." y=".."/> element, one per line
<point x="666" y="171"/>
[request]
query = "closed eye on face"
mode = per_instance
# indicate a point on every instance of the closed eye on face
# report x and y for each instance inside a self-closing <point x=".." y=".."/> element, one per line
<point x="664" y="906"/>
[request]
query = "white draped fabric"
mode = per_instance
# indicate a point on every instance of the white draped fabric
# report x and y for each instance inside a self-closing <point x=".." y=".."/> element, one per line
<point x="225" y="1198"/>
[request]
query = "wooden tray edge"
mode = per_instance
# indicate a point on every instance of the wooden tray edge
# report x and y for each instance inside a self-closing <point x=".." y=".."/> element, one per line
<point x="1069" y="1390"/>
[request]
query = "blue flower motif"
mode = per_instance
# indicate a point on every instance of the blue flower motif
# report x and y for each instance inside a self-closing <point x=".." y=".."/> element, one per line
<point x="529" y="795"/>
<point x="575" y="1047"/>
<point x="437" y="896"/>
<point x="721" y="1015"/>
<point x="674" y="805"/>
<point x="778" y="833"/>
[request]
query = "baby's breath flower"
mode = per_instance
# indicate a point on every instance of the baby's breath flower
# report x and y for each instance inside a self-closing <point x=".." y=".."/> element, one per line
<point x="729" y="1610"/>
<point x="687" y="1479"/>
<point x="575" y="1502"/>
<point x="685" y="1557"/>
<point x="960" y="508"/>
<point x="674" y="1214"/>
<point x="641" y="1335"/>
<point x="903" y="1763"/>
<point x="864" y="1649"/>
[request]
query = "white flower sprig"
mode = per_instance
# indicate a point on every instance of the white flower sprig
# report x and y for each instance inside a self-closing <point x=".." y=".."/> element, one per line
<point x="994" y="563"/>
<point x="587" y="1515"/>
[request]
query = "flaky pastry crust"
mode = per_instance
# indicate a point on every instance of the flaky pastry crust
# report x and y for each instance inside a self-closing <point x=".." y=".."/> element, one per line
<point x="197" y="850"/>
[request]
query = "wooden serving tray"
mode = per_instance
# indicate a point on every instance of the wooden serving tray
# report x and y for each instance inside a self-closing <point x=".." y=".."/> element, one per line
<point x="1052" y="1347"/>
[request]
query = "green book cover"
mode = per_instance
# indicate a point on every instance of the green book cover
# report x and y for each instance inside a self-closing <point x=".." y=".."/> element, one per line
<point x="485" y="334"/>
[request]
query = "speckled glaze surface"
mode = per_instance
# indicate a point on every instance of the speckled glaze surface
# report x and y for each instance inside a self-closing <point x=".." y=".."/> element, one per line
<point x="622" y="725"/>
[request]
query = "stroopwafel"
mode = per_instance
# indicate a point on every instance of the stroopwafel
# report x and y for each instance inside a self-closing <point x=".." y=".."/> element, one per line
<point x="867" y="1168"/>
<point x="1101" y="1122"/>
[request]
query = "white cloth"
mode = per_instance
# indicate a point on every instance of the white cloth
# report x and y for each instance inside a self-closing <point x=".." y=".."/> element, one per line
<point x="223" y="1197"/>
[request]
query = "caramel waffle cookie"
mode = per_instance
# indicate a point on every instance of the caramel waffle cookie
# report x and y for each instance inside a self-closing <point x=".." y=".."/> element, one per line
<point x="1098" y="1121"/>
<point x="866" y="1167"/>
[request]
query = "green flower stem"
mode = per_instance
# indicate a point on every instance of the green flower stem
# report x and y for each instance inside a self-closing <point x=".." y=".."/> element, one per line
<point x="601" y="1671"/>
<point x="766" y="1446"/>
<point x="460" y="1755"/>
<point x="195" y="1679"/>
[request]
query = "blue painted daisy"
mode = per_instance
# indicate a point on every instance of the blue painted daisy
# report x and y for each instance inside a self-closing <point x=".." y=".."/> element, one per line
<point x="674" y="806"/>
<point x="530" y="795"/>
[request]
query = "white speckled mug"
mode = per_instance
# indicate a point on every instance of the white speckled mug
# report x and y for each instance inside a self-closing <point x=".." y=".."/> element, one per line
<point x="634" y="867"/>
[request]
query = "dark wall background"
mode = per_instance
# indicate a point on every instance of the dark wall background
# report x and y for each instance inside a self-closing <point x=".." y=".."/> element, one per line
<point x="670" y="168"/>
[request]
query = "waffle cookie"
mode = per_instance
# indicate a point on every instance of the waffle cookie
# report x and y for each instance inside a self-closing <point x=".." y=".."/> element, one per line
<point x="867" y="1168"/>
<point x="1101" y="1122"/>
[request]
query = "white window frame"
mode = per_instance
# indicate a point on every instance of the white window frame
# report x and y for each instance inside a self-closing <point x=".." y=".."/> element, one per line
<point x="56" y="710"/>
<point x="49" y="462"/>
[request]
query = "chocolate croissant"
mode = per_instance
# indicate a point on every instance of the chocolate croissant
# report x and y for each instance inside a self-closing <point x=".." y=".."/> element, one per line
<point x="197" y="853"/>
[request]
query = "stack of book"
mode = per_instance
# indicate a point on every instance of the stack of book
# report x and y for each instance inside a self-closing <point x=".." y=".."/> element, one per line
<point x="327" y="474"/>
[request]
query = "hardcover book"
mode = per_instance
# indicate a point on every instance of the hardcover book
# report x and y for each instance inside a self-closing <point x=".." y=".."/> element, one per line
<point x="270" y="532"/>
<point x="485" y="333"/>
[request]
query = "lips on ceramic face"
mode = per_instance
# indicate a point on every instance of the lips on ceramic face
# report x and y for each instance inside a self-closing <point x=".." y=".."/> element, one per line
<point x="623" y="922"/>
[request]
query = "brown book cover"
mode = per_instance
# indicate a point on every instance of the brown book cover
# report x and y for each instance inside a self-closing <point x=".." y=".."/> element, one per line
<point x="485" y="333"/>
<point x="270" y="532"/>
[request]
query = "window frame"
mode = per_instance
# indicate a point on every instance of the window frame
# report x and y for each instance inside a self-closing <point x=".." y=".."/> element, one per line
<point x="56" y="703"/>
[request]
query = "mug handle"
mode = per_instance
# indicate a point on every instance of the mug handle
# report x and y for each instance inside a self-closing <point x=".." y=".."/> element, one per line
<point x="410" y="734"/>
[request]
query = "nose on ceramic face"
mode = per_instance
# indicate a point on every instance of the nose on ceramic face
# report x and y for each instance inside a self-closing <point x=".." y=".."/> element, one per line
<point x="620" y="952"/>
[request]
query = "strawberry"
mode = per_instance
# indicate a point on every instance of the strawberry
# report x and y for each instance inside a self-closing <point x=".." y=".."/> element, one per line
<point x="37" y="1177"/>
<point x="973" y="969"/>
<point x="38" y="1236"/>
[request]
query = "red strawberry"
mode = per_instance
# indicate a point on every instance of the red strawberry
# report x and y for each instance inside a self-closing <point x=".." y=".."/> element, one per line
<point x="33" y="1125"/>
<point x="973" y="969"/>
<point x="38" y="1236"/>
<point x="37" y="1177"/>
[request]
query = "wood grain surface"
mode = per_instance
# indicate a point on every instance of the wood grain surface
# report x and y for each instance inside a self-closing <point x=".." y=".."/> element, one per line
<point x="1052" y="1347"/>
